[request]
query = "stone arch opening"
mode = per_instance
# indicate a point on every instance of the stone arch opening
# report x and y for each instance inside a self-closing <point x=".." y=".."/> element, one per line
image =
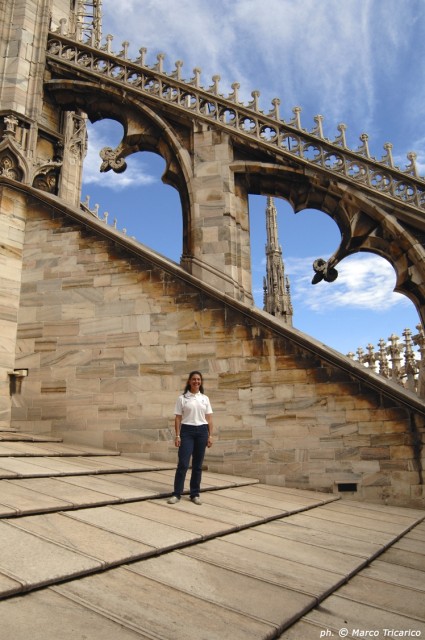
<point x="136" y="200"/>
<point x="142" y="130"/>
<point x="364" y="296"/>
<point x="365" y="224"/>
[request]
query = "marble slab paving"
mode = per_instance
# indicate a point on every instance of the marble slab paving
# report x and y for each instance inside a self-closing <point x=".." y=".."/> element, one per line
<point x="161" y="611"/>
<point x="193" y="519"/>
<point x="385" y="599"/>
<point x="223" y="500"/>
<point x="249" y="495"/>
<point x="18" y="499"/>
<point x="108" y="485"/>
<point x="33" y="561"/>
<point x="164" y="480"/>
<point x="282" y="493"/>
<point x="158" y="482"/>
<point x="255" y="581"/>
<point x="34" y="448"/>
<point x="310" y="520"/>
<point x="260" y="600"/>
<point x="161" y="536"/>
<point x="47" y="615"/>
<point x="335" y="540"/>
<point x="17" y="436"/>
<point x="354" y="518"/>
<point x="383" y="570"/>
<point x="32" y="495"/>
<point x="56" y="466"/>
<point x="23" y="449"/>
<point x="255" y="502"/>
<point x="338" y="613"/>
<point x="106" y="547"/>
<point x="401" y="557"/>
<point x="390" y="514"/>
<point x="387" y="596"/>
<point x="312" y="581"/>
<point x="220" y="510"/>
<point x="296" y="551"/>
<point x="211" y="478"/>
<point x="43" y="466"/>
<point x="411" y="545"/>
<point x="90" y="464"/>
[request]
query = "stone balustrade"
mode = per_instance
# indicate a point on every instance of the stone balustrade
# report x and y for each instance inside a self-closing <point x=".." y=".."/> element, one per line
<point x="268" y="129"/>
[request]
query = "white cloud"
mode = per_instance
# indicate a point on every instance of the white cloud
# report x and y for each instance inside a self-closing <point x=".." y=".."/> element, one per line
<point x="365" y="282"/>
<point x="325" y="56"/>
<point x="134" y="176"/>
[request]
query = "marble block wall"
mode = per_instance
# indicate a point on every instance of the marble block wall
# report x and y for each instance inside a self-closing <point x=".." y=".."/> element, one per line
<point x="108" y="338"/>
<point x="12" y="221"/>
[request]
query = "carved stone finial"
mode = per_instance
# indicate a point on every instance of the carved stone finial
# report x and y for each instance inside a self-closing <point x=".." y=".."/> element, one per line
<point x="341" y="139"/>
<point x="384" y="369"/>
<point x="196" y="80"/>
<point x="108" y="44"/>
<point x="142" y="58"/>
<point x="419" y="340"/>
<point x="159" y="66"/>
<point x="111" y="160"/>
<point x="410" y="367"/>
<point x="412" y="168"/>
<point x="177" y="72"/>
<point x="394" y="350"/>
<point x="360" y="354"/>
<point x="214" y="87"/>
<point x="364" y="147"/>
<point x="369" y="357"/>
<point x="234" y="96"/>
<point x="11" y="123"/>
<point x="254" y="102"/>
<point x="275" y="113"/>
<point x="318" y="129"/>
<point x="388" y="157"/>
<point x="124" y="51"/>
<point x="296" y="120"/>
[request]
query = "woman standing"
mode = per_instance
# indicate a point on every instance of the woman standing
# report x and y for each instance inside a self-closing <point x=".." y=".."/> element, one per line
<point x="194" y="426"/>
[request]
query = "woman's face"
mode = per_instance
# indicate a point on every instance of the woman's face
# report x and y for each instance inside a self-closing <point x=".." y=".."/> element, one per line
<point x="195" y="382"/>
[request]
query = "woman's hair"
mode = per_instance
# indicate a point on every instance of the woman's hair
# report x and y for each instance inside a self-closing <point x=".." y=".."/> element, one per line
<point x="194" y="373"/>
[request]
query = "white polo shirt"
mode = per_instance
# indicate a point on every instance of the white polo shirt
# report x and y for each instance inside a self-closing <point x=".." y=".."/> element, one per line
<point x="193" y="407"/>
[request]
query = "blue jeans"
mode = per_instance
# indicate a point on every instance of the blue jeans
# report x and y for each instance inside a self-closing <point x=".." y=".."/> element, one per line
<point x="193" y="442"/>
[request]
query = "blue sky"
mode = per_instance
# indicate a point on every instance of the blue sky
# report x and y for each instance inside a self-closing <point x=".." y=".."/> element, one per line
<point x="360" y="62"/>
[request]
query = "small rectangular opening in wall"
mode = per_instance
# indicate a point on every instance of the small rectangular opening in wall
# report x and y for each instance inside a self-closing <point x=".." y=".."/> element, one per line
<point x="347" y="486"/>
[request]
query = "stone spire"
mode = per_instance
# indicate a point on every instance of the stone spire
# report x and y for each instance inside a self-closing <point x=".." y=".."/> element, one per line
<point x="88" y="16"/>
<point x="277" y="297"/>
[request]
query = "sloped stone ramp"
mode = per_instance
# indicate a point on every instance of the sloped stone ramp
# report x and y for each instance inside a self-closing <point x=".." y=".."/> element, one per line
<point x="90" y="550"/>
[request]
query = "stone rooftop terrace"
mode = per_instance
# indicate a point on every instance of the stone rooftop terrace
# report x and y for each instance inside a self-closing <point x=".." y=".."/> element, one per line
<point x="90" y="549"/>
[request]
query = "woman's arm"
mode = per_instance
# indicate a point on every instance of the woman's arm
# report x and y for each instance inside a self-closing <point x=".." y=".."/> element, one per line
<point x="177" y="423"/>
<point x="209" y="418"/>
